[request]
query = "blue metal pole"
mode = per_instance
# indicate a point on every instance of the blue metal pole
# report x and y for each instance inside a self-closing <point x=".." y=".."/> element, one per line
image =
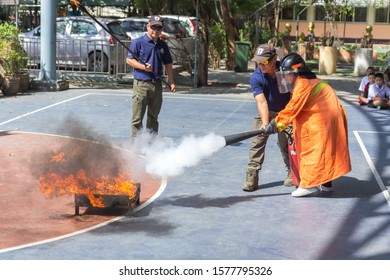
<point x="48" y="40"/>
<point x="196" y="46"/>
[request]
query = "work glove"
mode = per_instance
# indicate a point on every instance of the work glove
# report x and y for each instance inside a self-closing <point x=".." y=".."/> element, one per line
<point x="270" y="128"/>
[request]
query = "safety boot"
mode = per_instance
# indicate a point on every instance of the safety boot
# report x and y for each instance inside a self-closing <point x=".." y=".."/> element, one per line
<point x="252" y="180"/>
<point x="288" y="181"/>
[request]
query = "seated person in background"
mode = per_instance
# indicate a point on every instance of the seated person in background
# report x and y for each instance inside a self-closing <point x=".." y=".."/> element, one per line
<point x="364" y="80"/>
<point x="379" y="93"/>
<point x="363" y="95"/>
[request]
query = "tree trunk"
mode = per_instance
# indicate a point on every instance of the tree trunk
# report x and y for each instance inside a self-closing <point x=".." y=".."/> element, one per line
<point x="170" y="4"/>
<point x="149" y="7"/>
<point x="271" y="19"/>
<point x="231" y="33"/>
<point x="203" y="39"/>
<point x="276" y="13"/>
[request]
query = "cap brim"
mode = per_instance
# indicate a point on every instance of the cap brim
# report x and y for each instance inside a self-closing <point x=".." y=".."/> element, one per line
<point x="259" y="59"/>
<point x="159" y="23"/>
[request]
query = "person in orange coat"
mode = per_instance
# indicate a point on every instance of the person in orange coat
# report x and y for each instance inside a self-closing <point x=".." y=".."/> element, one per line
<point x="319" y="126"/>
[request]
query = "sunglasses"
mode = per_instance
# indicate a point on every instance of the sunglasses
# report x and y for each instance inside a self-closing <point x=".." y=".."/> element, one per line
<point x="267" y="61"/>
<point x="156" y="27"/>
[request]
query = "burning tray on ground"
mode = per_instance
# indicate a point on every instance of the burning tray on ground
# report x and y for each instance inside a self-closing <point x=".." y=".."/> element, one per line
<point x="109" y="201"/>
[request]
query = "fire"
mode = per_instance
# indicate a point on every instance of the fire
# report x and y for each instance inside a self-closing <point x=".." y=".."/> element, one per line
<point x="59" y="157"/>
<point x="77" y="3"/>
<point x="58" y="181"/>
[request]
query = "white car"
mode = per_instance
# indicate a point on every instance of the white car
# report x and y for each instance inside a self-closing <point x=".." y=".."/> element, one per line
<point x="188" y="22"/>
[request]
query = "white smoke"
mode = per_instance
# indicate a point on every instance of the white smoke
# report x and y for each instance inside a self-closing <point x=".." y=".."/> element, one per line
<point x="165" y="158"/>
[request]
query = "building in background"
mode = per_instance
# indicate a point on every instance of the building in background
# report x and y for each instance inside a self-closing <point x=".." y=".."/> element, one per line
<point x="349" y="28"/>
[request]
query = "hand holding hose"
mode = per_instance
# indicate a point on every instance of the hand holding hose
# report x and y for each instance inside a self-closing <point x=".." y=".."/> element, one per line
<point x="270" y="128"/>
<point x="149" y="68"/>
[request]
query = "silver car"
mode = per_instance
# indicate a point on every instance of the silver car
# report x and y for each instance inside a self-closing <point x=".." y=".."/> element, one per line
<point x="81" y="43"/>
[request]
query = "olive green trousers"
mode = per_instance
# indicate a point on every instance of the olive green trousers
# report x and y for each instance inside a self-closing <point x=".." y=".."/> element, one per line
<point x="147" y="98"/>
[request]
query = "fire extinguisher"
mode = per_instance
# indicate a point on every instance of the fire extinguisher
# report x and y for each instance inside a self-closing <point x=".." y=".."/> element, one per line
<point x="294" y="167"/>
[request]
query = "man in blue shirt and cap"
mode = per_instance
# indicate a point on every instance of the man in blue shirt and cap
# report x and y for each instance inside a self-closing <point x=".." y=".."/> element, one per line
<point x="153" y="54"/>
<point x="269" y="102"/>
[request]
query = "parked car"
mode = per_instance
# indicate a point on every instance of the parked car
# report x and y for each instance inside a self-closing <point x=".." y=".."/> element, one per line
<point x="81" y="42"/>
<point x="189" y="23"/>
<point x="136" y="27"/>
<point x="175" y="27"/>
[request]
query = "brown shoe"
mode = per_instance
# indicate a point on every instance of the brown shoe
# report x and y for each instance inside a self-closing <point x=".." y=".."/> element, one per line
<point x="288" y="181"/>
<point x="252" y="180"/>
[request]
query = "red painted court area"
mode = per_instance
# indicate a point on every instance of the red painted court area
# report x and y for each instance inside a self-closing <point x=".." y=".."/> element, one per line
<point x="26" y="214"/>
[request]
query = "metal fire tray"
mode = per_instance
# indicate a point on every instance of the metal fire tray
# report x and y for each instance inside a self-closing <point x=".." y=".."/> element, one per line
<point x="109" y="200"/>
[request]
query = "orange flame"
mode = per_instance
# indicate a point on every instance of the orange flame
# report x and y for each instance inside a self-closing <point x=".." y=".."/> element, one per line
<point x="53" y="184"/>
<point x="59" y="157"/>
<point x="77" y="3"/>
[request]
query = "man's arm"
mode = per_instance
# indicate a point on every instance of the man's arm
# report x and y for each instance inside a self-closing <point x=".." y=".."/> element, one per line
<point x="262" y="108"/>
<point x="169" y="69"/>
<point x="136" y="64"/>
<point x="362" y="98"/>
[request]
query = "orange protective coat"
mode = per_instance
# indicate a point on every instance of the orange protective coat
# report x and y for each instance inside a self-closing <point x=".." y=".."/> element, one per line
<point x="320" y="132"/>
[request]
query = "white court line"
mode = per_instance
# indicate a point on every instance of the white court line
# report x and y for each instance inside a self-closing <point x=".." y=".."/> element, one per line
<point x="193" y="96"/>
<point x="44" y="108"/>
<point x="384" y="189"/>
<point x="231" y="114"/>
<point x="161" y="189"/>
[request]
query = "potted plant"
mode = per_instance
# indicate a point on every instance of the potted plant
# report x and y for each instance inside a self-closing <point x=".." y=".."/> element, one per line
<point x="8" y="62"/>
<point x="22" y="72"/>
<point x="328" y="53"/>
<point x="12" y="58"/>
<point x="364" y="54"/>
<point x="346" y="53"/>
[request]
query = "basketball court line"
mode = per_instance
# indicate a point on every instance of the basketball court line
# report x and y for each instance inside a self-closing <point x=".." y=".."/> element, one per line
<point x="374" y="171"/>
<point x="122" y="95"/>
<point x="43" y="108"/>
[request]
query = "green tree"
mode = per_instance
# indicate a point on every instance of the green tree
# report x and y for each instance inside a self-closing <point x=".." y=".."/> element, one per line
<point x="217" y="45"/>
<point x="227" y="20"/>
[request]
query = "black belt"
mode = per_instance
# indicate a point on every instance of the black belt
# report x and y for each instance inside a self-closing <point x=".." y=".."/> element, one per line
<point x="150" y="81"/>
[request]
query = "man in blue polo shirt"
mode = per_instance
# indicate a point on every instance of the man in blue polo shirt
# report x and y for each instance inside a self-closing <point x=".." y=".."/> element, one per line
<point x="269" y="102"/>
<point x="147" y="87"/>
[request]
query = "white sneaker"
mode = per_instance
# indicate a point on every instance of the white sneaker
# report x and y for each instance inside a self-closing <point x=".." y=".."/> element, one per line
<point x="325" y="189"/>
<point x="303" y="192"/>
